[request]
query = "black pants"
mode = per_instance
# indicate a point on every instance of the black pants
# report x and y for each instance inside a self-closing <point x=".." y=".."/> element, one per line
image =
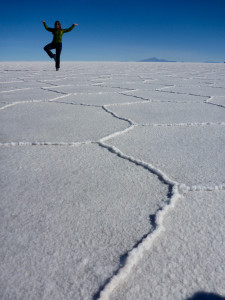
<point x="58" y="47"/>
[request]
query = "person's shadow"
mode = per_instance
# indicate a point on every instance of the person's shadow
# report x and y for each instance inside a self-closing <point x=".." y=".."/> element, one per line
<point x="205" y="296"/>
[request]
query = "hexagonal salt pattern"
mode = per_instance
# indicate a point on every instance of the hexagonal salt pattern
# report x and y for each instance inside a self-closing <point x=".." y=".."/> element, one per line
<point x="112" y="180"/>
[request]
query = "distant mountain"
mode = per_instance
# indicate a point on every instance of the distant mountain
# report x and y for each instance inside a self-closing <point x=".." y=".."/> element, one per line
<point x="211" y="62"/>
<point x="155" y="59"/>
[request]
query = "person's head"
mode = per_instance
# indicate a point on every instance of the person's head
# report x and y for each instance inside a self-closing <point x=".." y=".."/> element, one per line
<point x="57" y="25"/>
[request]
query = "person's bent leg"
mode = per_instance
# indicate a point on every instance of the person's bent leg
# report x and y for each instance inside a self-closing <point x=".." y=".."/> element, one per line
<point x="58" y="52"/>
<point x="49" y="47"/>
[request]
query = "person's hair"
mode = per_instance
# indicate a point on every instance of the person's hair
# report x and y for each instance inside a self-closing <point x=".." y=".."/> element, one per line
<point x="57" y="22"/>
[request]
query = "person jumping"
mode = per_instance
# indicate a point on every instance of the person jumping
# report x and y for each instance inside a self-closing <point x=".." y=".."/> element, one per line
<point x="56" y="42"/>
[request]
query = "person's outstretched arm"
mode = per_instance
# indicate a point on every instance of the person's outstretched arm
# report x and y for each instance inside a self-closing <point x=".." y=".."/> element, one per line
<point x="46" y="27"/>
<point x="70" y="28"/>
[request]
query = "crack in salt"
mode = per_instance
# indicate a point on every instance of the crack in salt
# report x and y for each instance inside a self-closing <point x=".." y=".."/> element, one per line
<point x="44" y="143"/>
<point x="33" y="101"/>
<point x="132" y="257"/>
<point x="183" y="124"/>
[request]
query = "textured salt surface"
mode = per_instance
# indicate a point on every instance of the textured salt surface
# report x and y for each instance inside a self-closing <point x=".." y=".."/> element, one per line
<point x="112" y="180"/>
<point x="187" y="257"/>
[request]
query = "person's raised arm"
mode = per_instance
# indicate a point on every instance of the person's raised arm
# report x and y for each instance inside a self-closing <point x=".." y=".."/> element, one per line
<point x="46" y="27"/>
<point x="70" y="28"/>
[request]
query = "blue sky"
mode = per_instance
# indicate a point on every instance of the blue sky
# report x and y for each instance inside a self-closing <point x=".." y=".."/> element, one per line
<point x="118" y="30"/>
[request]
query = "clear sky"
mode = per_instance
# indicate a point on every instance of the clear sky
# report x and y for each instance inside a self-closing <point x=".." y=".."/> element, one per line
<point x="115" y="30"/>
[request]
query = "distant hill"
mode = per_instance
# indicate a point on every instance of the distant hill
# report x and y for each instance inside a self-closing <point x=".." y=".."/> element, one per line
<point x="155" y="59"/>
<point x="211" y="62"/>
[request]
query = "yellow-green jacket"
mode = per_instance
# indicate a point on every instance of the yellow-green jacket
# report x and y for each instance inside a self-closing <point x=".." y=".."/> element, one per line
<point x="58" y="33"/>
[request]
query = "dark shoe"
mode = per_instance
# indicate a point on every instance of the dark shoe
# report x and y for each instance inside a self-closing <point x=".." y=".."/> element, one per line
<point x="57" y="69"/>
<point x="54" y="57"/>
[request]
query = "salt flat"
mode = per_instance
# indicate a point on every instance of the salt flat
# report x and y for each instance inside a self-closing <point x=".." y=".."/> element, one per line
<point x="112" y="180"/>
